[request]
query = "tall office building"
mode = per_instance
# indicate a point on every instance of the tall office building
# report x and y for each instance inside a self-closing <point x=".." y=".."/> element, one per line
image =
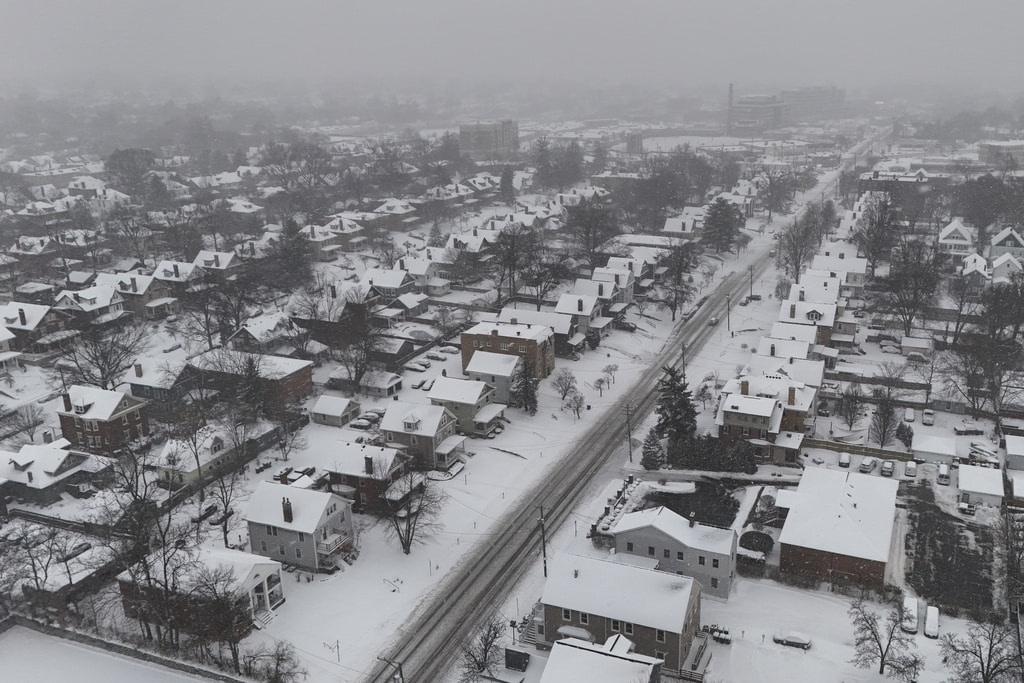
<point x="488" y="139"/>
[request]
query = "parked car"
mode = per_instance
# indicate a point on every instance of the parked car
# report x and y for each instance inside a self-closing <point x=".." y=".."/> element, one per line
<point x="418" y="383"/>
<point x="436" y="356"/>
<point x="966" y="509"/>
<point x="868" y="464"/>
<point x="422" y="361"/>
<point x="625" y="326"/>
<point x="927" y="416"/>
<point x="966" y="427"/>
<point x="888" y="468"/>
<point x="890" y="349"/>
<point x="713" y="322"/>
<point x="771" y="253"/>
<point x="910" y="469"/>
<point x="379" y="412"/>
<point x="754" y="297"/>
<point x="428" y="385"/>
<point x="448" y="349"/>
<point x="844" y="459"/>
<point x="793" y="639"/>
<point x="372" y="418"/>
<point x="361" y="425"/>
<point x="744" y="301"/>
<point x="415" y="367"/>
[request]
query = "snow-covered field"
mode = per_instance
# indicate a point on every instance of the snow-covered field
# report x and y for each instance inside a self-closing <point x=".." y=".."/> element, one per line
<point x="27" y="655"/>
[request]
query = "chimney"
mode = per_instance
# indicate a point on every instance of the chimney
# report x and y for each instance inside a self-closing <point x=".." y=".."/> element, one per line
<point x="600" y="289"/>
<point x="401" y="263"/>
<point x="474" y="232"/>
<point x="616" y="278"/>
<point x="693" y="519"/>
<point x="283" y="477"/>
<point x="444" y="372"/>
<point x="21" y="316"/>
<point x="801" y="295"/>
<point x="494" y="333"/>
<point x="792" y="310"/>
<point x="252" y="248"/>
<point x="29" y="473"/>
<point x="138" y="369"/>
<point x="368" y="463"/>
<point x="334" y="292"/>
<point x="744" y="387"/>
<point x="515" y="321"/>
<point x="772" y="350"/>
<point x="286" y="508"/>
<point x="792" y="396"/>
<point x="135" y="286"/>
<point x="176" y="273"/>
<point x="216" y="260"/>
<point x="78" y="297"/>
<point x="579" y="305"/>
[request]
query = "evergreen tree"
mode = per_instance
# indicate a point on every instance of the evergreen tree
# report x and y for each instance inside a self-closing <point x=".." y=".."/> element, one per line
<point x="250" y="393"/>
<point x="722" y="225"/>
<point x="524" y="387"/>
<point x="436" y="238"/>
<point x="568" y="167"/>
<point x="507" y="188"/>
<point x="289" y="264"/>
<point x="677" y="416"/>
<point x="652" y="456"/>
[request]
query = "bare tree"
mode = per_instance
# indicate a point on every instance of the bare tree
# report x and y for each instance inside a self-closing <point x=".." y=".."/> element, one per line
<point x="850" y="404"/>
<point x="99" y="358"/>
<point x="676" y="286"/>
<point x="277" y="663"/>
<point x="448" y="320"/>
<point x="884" y="421"/>
<point x="575" y="402"/>
<point x="876" y="233"/>
<point x="221" y="617"/>
<point x="190" y="434"/>
<point x="28" y="419"/>
<point x="600" y="384"/>
<point x="563" y="382"/>
<point x="481" y="654"/>
<point x="544" y="270"/>
<point x="609" y="372"/>
<point x="411" y="509"/>
<point x="227" y="492"/>
<point x="127" y="227"/>
<point x="290" y="438"/>
<point x="913" y="281"/>
<point x="987" y="653"/>
<point x="881" y="641"/>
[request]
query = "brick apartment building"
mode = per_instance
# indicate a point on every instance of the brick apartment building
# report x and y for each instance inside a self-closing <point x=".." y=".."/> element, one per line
<point x="102" y="421"/>
<point x="534" y="343"/>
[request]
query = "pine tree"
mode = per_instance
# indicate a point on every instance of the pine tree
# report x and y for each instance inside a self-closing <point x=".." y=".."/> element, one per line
<point x="436" y="238"/>
<point x="543" y="163"/>
<point x="524" y="387"/>
<point x="507" y="188"/>
<point x="722" y="225"/>
<point x="677" y="416"/>
<point x="652" y="456"/>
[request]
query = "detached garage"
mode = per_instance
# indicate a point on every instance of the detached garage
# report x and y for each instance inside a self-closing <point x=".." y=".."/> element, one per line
<point x="934" y="449"/>
<point x="981" y="485"/>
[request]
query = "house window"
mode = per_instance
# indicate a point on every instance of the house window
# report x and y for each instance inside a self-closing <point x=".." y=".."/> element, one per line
<point x="659" y="635"/>
<point x="584" y="618"/>
<point x="124" y="420"/>
<point x="628" y="628"/>
<point x="746" y="431"/>
<point x="280" y="548"/>
<point x="660" y="655"/>
<point x="650" y="550"/>
<point x="298" y="553"/>
<point x="629" y="546"/>
<point x="666" y="553"/>
<point x="616" y="626"/>
<point x="522" y="348"/>
<point x="700" y="560"/>
<point x="714" y="582"/>
<point x="566" y="615"/>
<point x="505" y="346"/>
<point x="302" y="537"/>
<point x="714" y="563"/>
<point x="263" y="546"/>
<point x="679" y="555"/>
<point x="413" y="440"/>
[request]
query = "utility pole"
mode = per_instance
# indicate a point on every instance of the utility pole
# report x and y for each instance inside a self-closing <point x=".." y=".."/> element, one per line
<point x="751" y="269"/>
<point x="397" y="665"/>
<point x="728" y="318"/>
<point x="629" y="430"/>
<point x="543" y="541"/>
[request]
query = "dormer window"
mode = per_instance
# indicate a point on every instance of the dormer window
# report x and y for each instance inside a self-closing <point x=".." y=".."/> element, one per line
<point x="80" y="409"/>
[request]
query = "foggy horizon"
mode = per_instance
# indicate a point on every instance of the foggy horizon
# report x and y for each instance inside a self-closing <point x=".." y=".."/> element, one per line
<point x="756" y="45"/>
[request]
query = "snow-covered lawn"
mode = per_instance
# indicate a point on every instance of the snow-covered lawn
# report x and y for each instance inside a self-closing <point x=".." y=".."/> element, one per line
<point x="32" y="656"/>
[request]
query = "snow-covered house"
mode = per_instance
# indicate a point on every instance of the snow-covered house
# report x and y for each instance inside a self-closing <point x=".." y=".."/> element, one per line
<point x="41" y="473"/>
<point x="363" y="472"/>
<point x="144" y="295"/>
<point x="1005" y="268"/>
<point x="659" y="611"/>
<point x="498" y="370"/>
<point x="681" y="546"/>
<point x="624" y="282"/>
<point x="180" y="276"/>
<point x="1007" y="241"/>
<point x="96" y="305"/>
<point x="574" y="659"/>
<point x="471" y="402"/>
<point x="975" y="274"/>
<point x="426" y="431"/>
<point x="36" y="328"/>
<point x="389" y="284"/>
<point x="980" y="485"/>
<point x="178" y="463"/>
<point x="300" y="526"/>
<point x="585" y="310"/>
<point x="102" y="421"/>
<point x="839" y="526"/>
<point x="769" y="411"/>
<point x="263" y="333"/>
<point x="956" y="241"/>
<point x="161" y="381"/>
<point x="216" y="261"/>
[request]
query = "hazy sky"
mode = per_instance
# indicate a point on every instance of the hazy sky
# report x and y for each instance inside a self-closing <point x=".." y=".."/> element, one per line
<point x="844" y="42"/>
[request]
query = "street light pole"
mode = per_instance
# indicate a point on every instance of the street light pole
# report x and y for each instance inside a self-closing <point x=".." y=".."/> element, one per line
<point x="728" y="308"/>
<point x="397" y="665"/>
<point x="751" y="269"/>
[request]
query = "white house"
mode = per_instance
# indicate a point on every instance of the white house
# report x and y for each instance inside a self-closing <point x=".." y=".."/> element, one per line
<point x="980" y="485"/>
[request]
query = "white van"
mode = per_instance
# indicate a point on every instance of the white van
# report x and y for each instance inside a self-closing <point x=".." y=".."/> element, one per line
<point x="927" y="416"/>
<point x="908" y="415"/>
<point x="910" y="615"/>
<point x="944" y="474"/>
<point x="910" y="469"/>
<point x="931" y="622"/>
<point x="868" y="464"/>
<point x="844" y="459"/>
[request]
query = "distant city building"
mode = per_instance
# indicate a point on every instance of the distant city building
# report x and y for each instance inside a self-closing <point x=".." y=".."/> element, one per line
<point x="489" y="138"/>
<point x="813" y="103"/>
<point x="634" y="143"/>
<point x="994" y="152"/>
<point x="757" y="113"/>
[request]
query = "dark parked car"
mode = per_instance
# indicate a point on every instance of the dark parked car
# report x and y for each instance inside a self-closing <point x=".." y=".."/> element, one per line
<point x="625" y="325"/>
<point x="207" y="512"/>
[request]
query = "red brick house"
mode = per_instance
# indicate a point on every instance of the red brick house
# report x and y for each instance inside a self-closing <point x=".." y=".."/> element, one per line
<point x="536" y="343"/>
<point x="36" y="327"/>
<point x="285" y="380"/>
<point x="102" y="421"/>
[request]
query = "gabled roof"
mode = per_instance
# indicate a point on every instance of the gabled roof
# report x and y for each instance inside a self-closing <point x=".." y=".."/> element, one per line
<point x="89" y="299"/>
<point x="1008" y="237"/>
<point x="845" y="513"/>
<point x="425" y="420"/>
<point x="576" y="304"/>
<point x="560" y="323"/>
<point x="645" y="597"/>
<point x="572" y="659"/>
<point x="956" y="231"/>
<point x="497" y="364"/>
<point x="10" y="315"/>
<point x="155" y="372"/>
<point x="331" y="405"/>
<point x="165" y="270"/>
<point x="453" y="390"/>
<point x="39" y="466"/>
<point x="383" y="277"/>
<point x="308" y="506"/>
<point x="269" y="366"/>
<point x="92" y="403"/>
<point x="698" y="536"/>
<point x="215" y="260"/>
<point x="350" y="459"/>
<point x="265" y="328"/>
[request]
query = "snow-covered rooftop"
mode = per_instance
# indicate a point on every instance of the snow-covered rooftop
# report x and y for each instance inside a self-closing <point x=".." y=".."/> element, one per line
<point x="308" y="507"/>
<point x="496" y="364"/>
<point x="698" y="536"/>
<point x="984" y="480"/>
<point x="572" y="659"/>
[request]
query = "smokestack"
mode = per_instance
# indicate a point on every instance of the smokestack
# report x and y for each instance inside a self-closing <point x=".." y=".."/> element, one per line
<point x="792" y="396"/>
<point x="21" y="316"/>
<point x="138" y="369"/>
<point x="744" y="387"/>
<point x="286" y="508"/>
<point x="368" y="463"/>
